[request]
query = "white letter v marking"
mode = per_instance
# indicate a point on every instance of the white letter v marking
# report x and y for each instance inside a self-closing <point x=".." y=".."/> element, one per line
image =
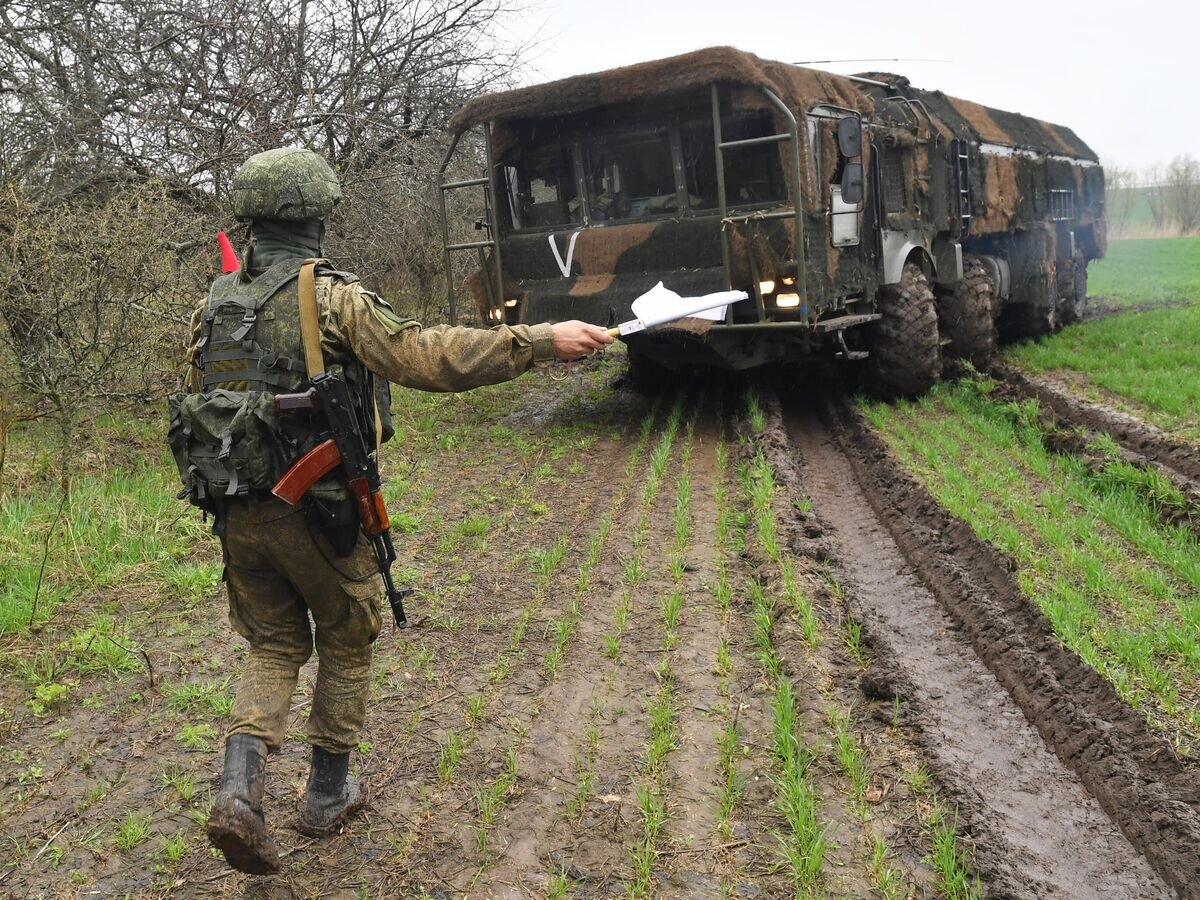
<point x="564" y="267"/>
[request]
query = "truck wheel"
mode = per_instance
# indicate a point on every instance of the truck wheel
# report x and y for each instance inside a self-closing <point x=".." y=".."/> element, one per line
<point x="648" y="376"/>
<point x="1072" y="289"/>
<point x="966" y="317"/>
<point x="1037" y="317"/>
<point x="905" y="344"/>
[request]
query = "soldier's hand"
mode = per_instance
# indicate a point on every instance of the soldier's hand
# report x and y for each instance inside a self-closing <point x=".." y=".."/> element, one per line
<point x="575" y="339"/>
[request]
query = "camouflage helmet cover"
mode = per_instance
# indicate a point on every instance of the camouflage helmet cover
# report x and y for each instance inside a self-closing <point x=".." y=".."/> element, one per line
<point x="286" y="183"/>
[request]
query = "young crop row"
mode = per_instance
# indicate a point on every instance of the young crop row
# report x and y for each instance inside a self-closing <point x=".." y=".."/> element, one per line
<point x="472" y="735"/>
<point x="662" y="710"/>
<point x="562" y="627"/>
<point x="806" y="842"/>
<point x="634" y="571"/>
<point x="1120" y="587"/>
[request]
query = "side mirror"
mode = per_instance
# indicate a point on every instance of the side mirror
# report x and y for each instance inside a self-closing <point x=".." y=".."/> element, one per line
<point x="849" y="135"/>
<point x="852" y="182"/>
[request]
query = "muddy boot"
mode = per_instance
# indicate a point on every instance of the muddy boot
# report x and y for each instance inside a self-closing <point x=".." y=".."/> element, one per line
<point x="236" y="825"/>
<point x="332" y="795"/>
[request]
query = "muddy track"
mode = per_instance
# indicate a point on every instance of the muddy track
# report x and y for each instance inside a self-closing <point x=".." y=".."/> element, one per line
<point x="924" y="582"/>
<point x="1141" y="440"/>
<point x="1104" y="308"/>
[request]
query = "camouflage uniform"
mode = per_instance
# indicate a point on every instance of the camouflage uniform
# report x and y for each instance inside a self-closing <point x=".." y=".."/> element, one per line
<point x="279" y="571"/>
<point x="230" y="446"/>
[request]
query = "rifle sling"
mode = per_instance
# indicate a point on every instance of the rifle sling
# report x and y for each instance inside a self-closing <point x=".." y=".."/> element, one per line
<point x="310" y="333"/>
<point x="310" y="329"/>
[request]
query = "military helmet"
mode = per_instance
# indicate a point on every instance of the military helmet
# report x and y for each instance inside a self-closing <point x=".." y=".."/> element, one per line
<point x="287" y="183"/>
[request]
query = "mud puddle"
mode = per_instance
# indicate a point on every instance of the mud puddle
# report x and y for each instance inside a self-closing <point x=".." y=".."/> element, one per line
<point x="1037" y="829"/>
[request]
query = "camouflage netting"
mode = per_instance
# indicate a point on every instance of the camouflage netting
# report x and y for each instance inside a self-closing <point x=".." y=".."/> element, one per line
<point x="798" y="87"/>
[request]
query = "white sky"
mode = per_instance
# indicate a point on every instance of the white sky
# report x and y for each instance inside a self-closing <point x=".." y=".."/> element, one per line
<point x="1123" y="75"/>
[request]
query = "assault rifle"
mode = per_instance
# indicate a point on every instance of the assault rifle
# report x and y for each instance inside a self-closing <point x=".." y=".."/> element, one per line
<point x="343" y="445"/>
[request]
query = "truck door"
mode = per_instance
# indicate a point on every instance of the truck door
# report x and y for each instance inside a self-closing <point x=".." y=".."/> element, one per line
<point x="839" y="163"/>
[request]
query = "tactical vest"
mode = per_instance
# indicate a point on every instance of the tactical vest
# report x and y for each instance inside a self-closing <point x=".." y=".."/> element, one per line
<point x="228" y="440"/>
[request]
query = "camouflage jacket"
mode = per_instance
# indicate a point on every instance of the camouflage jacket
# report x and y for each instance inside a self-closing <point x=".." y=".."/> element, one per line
<point x="357" y="323"/>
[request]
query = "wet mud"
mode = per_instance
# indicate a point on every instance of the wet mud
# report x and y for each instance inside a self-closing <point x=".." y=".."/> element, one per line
<point x="946" y="607"/>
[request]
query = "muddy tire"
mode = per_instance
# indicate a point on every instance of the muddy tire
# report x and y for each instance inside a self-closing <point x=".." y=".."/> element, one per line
<point x="1034" y="319"/>
<point x="1072" y="289"/>
<point x="905" y="344"/>
<point x="966" y="317"/>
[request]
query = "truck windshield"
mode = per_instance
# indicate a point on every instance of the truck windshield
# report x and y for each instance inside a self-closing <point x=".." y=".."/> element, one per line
<point x="630" y="176"/>
<point x="669" y="170"/>
<point x="542" y="190"/>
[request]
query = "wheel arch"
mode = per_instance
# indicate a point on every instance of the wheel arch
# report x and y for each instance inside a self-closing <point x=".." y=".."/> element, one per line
<point x="899" y="250"/>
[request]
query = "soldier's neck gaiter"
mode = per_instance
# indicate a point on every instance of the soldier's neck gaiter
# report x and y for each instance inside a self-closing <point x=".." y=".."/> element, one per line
<point x="274" y="240"/>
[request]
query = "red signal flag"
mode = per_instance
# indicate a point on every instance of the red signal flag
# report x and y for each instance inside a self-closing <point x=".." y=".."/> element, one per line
<point x="229" y="257"/>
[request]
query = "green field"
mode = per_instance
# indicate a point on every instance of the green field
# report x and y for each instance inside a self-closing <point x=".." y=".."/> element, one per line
<point x="1145" y="362"/>
<point x="1147" y="270"/>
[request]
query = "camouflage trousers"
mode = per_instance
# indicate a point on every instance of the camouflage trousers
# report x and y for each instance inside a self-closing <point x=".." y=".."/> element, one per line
<point x="279" y="574"/>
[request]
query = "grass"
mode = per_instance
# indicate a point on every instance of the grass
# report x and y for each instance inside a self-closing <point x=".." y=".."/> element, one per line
<point x="490" y="799"/>
<point x="175" y="848"/>
<point x="1146" y="359"/>
<point x="211" y="698"/>
<point x="802" y="840"/>
<point x="850" y="756"/>
<point x="202" y="736"/>
<point x="950" y="863"/>
<point x="661" y="711"/>
<point x="802" y="843"/>
<point x="181" y="782"/>
<point x="731" y="783"/>
<point x="119" y="526"/>
<point x="1151" y="269"/>
<point x="1120" y="588"/>
<point x="633" y="571"/>
<point x="133" y="831"/>
<point x="888" y="879"/>
<point x="449" y="755"/>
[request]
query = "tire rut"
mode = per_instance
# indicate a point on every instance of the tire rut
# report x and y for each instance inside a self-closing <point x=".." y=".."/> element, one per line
<point x="1038" y="831"/>
<point x="1138" y="438"/>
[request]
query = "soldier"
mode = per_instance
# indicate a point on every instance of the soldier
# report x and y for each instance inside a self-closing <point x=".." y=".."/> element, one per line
<point x="284" y="565"/>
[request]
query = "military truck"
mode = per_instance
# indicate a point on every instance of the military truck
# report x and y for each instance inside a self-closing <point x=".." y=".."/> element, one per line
<point x="868" y="219"/>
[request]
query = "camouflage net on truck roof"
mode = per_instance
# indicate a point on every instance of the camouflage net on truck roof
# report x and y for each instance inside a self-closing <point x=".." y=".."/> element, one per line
<point x="797" y="86"/>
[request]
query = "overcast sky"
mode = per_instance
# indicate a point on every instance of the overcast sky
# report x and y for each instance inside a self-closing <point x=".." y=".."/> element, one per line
<point x="1124" y="76"/>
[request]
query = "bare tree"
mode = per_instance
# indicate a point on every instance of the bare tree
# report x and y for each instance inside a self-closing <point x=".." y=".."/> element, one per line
<point x="123" y="121"/>
<point x="183" y="90"/>
<point x="1155" y="190"/>
<point x="95" y="304"/>
<point x="1183" y="192"/>
<point x="1120" y="197"/>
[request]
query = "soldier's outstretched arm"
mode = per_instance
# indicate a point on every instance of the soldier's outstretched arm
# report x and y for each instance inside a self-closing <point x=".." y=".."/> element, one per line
<point x="444" y="358"/>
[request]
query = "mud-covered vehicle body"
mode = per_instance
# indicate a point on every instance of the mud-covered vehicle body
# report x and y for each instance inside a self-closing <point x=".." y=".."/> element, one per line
<point x="864" y="216"/>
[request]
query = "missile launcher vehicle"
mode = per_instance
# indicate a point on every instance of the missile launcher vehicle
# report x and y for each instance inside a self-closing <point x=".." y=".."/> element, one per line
<point x="879" y="223"/>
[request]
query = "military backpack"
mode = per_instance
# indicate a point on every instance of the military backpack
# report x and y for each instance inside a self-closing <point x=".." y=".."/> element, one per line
<point x="227" y="439"/>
